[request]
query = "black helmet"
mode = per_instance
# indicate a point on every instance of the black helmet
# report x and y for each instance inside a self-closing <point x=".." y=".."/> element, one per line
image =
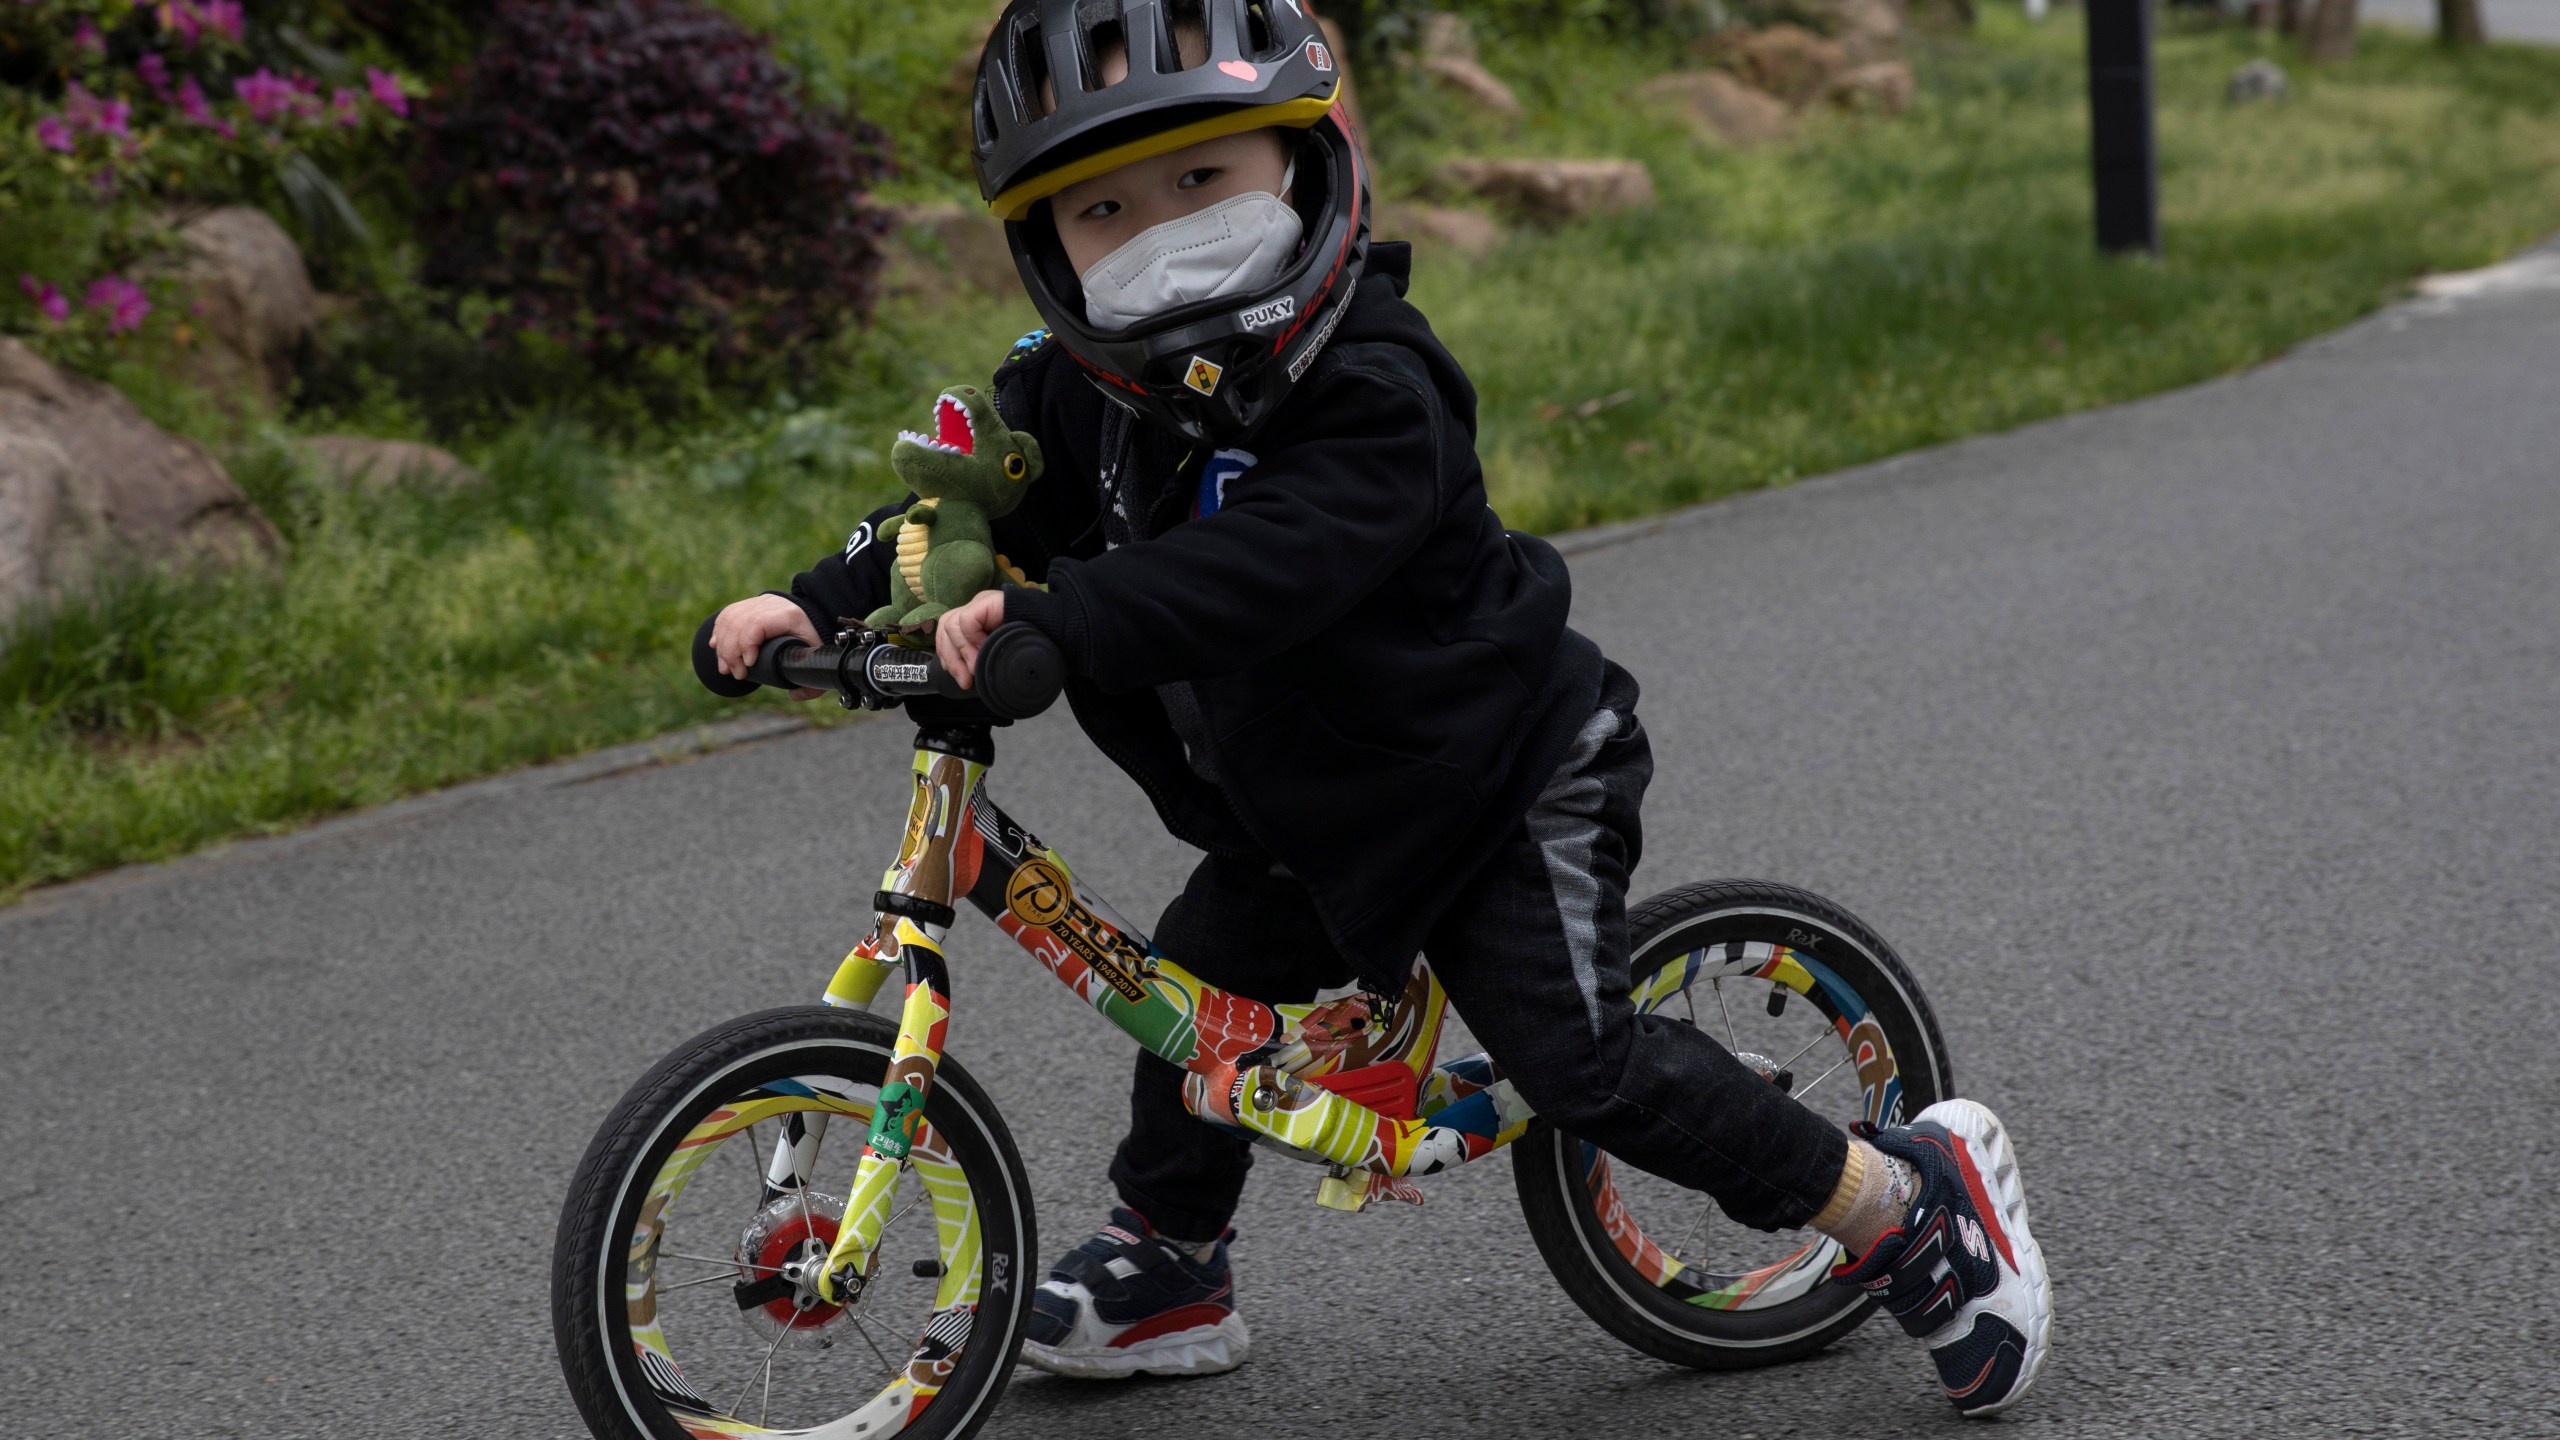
<point x="1211" y="371"/>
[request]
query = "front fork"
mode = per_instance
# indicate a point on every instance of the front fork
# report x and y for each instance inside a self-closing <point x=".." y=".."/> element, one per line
<point x="934" y="864"/>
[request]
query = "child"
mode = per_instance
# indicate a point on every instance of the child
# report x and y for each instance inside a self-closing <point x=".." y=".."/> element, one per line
<point x="1290" y="616"/>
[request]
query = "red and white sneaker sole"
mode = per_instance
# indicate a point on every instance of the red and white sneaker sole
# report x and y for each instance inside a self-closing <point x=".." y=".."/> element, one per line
<point x="1201" y="1350"/>
<point x="2031" y="1309"/>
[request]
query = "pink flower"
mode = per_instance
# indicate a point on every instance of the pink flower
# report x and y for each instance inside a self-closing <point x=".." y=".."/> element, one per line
<point x="179" y="15"/>
<point x="88" y="38"/>
<point x="221" y="16"/>
<point x="347" y="107"/>
<point x="123" y="301"/>
<point x="154" y="72"/>
<point x="48" y="299"/>
<point x="53" y="134"/>
<point x="386" y="89"/>
<point x="88" y="112"/>
<point x="191" y="104"/>
<point x="266" y="96"/>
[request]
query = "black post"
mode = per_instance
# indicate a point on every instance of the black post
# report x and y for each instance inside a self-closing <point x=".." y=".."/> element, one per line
<point x="2122" y="151"/>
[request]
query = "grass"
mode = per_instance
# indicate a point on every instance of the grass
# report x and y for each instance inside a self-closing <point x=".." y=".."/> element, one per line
<point x="1872" y="286"/>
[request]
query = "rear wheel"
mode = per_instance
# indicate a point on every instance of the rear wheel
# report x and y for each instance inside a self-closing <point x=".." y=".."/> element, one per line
<point x="1815" y="1000"/>
<point x="682" y="1285"/>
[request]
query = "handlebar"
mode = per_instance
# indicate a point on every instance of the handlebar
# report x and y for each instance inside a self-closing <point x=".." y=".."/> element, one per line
<point x="1020" y="670"/>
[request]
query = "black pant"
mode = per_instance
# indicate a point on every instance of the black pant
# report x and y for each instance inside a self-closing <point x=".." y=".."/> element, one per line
<point x="1534" y="955"/>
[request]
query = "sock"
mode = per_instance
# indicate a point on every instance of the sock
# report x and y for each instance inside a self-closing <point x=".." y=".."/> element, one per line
<point x="1873" y="1195"/>
<point x="1202" y="1253"/>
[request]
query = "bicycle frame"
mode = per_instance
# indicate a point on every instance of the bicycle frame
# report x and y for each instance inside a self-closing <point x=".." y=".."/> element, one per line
<point x="1348" y="1083"/>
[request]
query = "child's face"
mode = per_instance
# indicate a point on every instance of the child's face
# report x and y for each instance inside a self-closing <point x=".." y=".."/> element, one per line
<point x="1098" y="216"/>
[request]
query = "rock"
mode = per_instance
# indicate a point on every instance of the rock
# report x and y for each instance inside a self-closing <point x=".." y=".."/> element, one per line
<point x="1468" y="233"/>
<point x="35" y="488"/>
<point x="1472" y="83"/>
<point x="87" y="483"/>
<point x="1866" y="30"/>
<point x="1554" y="190"/>
<point x="248" y="299"/>
<point x="1788" y="61"/>
<point x="361" y="460"/>
<point x="2258" y="80"/>
<point x="959" y="240"/>
<point x="1447" y="37"/>
<point x="1719" y="107"/>
<point x="1884" y="86"/>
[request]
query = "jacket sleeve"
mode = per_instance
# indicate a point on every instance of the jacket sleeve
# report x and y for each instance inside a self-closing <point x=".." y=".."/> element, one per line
<point x="850" y="584"/>
<point x="1320" y="521"/>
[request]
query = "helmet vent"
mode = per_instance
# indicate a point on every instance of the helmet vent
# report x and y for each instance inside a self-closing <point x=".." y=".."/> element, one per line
<point x="1186" y="28"/>
<point x="1100" y="30"/>
<point x="983" y="116"/>
<point x="1032" y="96"/>
<point x="1257" y="28"/>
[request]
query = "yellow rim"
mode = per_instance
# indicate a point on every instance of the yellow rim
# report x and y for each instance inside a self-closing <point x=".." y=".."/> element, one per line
<point x="1300" y="114"/>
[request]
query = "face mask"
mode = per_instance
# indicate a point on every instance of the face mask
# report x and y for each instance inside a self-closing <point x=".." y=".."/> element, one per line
<point x="1234" y="247"/>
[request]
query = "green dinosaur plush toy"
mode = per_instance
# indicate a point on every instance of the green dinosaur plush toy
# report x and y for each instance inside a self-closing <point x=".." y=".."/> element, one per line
<point x="969" y="471"/>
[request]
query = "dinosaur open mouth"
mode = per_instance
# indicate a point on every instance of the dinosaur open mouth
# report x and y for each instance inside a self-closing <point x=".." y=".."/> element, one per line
<point x="959" y="435"/>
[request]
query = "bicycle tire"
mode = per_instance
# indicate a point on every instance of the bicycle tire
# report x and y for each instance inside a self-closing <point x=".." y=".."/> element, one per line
<point x="1553" y="1172"/>
<point x="609" y="1377"/>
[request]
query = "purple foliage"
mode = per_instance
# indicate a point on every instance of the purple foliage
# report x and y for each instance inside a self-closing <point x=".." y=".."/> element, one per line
<point x="631" y="173"/>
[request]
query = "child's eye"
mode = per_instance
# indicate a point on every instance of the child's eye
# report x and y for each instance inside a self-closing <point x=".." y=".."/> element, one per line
<point x="1194" y="179"/>
<point x="1099" y="210"/>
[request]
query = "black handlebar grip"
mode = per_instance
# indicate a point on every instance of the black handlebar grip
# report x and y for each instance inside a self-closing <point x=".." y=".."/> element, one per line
<point x="706" y="667"/>
<point x="768" y="667"/>
<point x="1020" y="671"/>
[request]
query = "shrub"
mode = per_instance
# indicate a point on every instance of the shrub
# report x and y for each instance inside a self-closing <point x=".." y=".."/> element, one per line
<point x="631" y="176"/>
<point x="117" y="118"/>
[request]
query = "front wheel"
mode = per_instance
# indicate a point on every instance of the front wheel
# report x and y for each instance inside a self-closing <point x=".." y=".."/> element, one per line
<point x="1813" y="999"/>
<point x="682" y="1283"/>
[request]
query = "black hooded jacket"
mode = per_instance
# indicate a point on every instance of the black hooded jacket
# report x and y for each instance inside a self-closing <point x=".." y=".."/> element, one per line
<point x="1384" y="673"/>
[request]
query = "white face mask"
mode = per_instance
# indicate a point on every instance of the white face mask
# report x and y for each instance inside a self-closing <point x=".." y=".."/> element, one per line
<point x="1234" y="247"/>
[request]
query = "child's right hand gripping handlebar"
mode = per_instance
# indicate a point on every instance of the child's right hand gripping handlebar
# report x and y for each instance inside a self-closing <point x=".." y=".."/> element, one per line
<point x="1020" y="670"/>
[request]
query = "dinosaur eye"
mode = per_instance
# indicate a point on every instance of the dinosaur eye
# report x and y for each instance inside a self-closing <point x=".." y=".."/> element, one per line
<point x="1015" y="467"/>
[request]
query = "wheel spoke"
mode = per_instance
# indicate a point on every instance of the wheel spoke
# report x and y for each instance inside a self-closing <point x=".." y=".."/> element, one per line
<point x="722" y="1260"/>
<point x="1818" y="1079"/>
<point x="1729" y="1042"/>
<point x="863" y="1329"/>
<point x="705" y="1280"/>
<point x="1808" y="1047"/>
<point x="766" y="1369"/>
<point x="1706" y="1212"/>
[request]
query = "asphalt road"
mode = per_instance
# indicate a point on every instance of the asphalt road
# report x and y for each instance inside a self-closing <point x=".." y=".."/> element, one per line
<point x="2533" y="21"/>
<point x="2202" y="754"/>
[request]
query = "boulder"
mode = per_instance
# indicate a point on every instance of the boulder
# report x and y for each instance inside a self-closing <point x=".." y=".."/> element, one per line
<point x="1474" y="84"/>
<point x="2260" y="79"/>
<point x="1471" y="234"/>
<point x="962" y="241"/>
<point x="1788" y="61"/>
<point x="1555" y="190"/>
<point x="1884" y="86"/>
<point x="248" y="299"/>
<point x="1448" y="55"/>
<point x="87" y="483"/>
<point x="1718" y="107"/>
<point x="1447" y="37"/>
<point x="1866" y="30"/>
<point x="361" y="460"/>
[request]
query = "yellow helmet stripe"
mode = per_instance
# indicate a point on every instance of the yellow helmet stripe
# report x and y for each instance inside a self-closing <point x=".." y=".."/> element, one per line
<point x="1299" y="114"/>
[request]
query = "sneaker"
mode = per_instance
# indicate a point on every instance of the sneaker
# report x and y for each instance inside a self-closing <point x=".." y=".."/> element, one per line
<point x="1129" y="1300"/>
<point x="1961" y="1272"/>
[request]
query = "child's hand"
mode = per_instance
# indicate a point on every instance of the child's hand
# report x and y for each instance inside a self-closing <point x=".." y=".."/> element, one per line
<point x="741" y="630"/>
<point x="959" y="633"/>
